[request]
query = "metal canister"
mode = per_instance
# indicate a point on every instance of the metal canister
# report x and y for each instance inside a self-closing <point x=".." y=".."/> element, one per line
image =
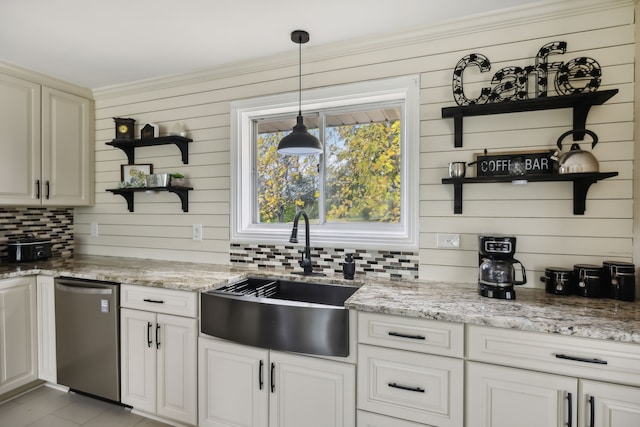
<point x="558" y="280"/>
<point x="589" y="280"/>
<point x="620" y="280"/>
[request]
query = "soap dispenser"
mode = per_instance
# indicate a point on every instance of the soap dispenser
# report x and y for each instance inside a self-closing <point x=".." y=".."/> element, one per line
<point x="349" y="267"/>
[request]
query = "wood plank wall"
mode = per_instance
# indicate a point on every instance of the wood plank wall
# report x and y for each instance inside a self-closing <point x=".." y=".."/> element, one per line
<point x="539" y="214"/>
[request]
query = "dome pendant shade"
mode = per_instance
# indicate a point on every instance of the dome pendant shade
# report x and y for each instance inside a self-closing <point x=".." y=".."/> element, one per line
<point x="299" y="141"/>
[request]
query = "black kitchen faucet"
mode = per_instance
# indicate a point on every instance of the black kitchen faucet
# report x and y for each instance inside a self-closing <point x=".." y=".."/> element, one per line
<point x="305" y="262"/>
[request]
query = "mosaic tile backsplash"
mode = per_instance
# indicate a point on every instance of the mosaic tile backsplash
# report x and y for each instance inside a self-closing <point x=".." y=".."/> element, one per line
<point x="374" y="263"/>
<point x="47" y="223"/>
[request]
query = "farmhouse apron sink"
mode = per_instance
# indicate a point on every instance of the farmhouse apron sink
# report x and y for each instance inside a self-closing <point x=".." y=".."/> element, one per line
<point x="280" y="315"/>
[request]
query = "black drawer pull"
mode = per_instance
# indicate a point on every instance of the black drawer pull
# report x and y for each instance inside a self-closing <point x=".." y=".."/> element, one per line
<point x="413" y="337"/>
<point x="581" y="359"/>
<point x="155" y="301"/>
<point x="404" y="387"/>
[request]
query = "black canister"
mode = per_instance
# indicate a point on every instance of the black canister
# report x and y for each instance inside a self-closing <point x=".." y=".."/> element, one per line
<point x="558" y="280"/>
<point x="588" y="280"/>
<point x="620" y="280"/>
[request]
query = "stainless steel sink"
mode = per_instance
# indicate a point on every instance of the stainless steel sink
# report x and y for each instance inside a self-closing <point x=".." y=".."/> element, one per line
<point x="280" y="314"/>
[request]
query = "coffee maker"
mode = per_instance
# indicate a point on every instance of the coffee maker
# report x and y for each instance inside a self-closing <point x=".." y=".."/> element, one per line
<point x="497" y="274"/>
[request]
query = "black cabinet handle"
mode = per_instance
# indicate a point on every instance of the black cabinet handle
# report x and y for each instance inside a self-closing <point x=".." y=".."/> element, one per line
<point x="157" y="335"/>
<point x="47" y="193"/>
<point x="149" y="342"/>
<point x="273" y="380"/>
<point x="413" y="337"/>
<point x="570" y="411"/>
<point x="581" y="359"/>
<point x="404" y="387"/>
<point x="155" y="301"/>
<point x="592" y="412"/>
<point x="260" y="373"/>
<point x="37" y="188"/>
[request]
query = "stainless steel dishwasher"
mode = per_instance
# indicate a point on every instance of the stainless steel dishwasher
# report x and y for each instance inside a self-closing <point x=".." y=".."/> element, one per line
<point x="88" y="336"/>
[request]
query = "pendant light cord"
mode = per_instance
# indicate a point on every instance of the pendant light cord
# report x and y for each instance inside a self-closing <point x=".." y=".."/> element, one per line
<point x="300" y="76"/>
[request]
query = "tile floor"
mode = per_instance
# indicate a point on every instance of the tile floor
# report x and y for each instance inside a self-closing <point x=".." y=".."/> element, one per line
<point x="48" y="407"/>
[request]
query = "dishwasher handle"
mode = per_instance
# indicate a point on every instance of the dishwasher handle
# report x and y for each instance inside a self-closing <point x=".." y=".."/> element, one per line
<point x="84" y="287"/>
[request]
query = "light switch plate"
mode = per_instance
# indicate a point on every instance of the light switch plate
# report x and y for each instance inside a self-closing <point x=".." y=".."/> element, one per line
<point x="94" y="229"/>
<point x="196" y="231"/>
<point x="448" y="241"/>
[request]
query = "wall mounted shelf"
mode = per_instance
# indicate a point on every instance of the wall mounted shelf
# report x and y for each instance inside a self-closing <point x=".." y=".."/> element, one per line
<point x="129" y="145"/>
<point x="581" y="184"/>
<point x="128" y="194"/>
<point x="580" y="103"/>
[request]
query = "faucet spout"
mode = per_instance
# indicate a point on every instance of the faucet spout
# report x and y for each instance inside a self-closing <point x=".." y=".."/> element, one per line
<point x="305" y="262"/>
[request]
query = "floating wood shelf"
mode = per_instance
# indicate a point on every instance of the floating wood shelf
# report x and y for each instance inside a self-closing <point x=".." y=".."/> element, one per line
<point x="580" y="102"/>
<point x="581" y="184"/>
<point x="129" y="145"/>
<point x="127" y="193"/>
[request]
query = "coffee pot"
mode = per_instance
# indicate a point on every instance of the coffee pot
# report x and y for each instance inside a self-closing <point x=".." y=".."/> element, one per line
<point x="497" y="272"/>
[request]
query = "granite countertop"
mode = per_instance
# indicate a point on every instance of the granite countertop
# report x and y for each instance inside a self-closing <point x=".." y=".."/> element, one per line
<point x="145" y="272"/>
<point x="533" y="309"/>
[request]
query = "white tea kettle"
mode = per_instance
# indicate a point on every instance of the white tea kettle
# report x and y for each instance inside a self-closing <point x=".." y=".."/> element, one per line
<point x="576" y="160"/>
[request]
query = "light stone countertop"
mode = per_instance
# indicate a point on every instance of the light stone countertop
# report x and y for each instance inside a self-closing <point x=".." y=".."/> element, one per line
<point x="533" y="309"/>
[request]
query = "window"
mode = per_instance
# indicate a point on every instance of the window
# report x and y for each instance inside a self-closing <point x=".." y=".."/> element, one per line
<point x="357" y="192"/>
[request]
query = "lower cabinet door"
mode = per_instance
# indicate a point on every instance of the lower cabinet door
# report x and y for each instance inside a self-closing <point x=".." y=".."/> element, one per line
<point x="177" y="359"/>
<point x="412" y="386"/>
<point x="508" y="397"/>
<point x="18" y="333"/>
<point x="138" y="359"/>
<point x="311" y="392"/>
<point x="609" y="405"/>
<point x="233" y="388"/>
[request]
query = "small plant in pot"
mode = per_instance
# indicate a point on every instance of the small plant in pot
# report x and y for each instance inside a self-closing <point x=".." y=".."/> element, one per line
<point x="178" y="180"/>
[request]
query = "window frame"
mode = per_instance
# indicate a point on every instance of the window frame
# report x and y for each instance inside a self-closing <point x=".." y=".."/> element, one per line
<point x="245" y="228"/>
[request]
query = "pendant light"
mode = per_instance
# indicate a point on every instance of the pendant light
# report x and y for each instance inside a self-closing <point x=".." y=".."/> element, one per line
<point x="300" y="141"/>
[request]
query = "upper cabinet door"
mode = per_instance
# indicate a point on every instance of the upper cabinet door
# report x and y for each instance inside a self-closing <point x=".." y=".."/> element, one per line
<point x="19" y="141"/>
<point x="67" y="149"/>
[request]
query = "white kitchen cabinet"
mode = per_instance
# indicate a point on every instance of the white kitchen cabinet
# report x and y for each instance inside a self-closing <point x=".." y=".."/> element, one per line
<point x="159" y="355"/>
<point x="608" y="405"/>
<point x="47" y="150"/>
<point x="546" y="380"/>
<point x="46" y="302"/>
<point x="410" y="371"/>
<point x="246" y="386"/>
<point x="18" y="333"/>
<point x="503" y="397"/>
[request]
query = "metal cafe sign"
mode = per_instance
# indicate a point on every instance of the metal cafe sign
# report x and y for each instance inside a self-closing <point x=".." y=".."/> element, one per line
<point x="513" y="83"/>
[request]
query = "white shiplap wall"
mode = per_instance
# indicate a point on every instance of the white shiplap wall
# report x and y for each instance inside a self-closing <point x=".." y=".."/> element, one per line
<point x="539" y="214"/>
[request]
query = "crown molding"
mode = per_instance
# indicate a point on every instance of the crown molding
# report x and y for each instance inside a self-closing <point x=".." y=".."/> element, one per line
<point x="42" y="79"/>
<point x="506" y="18"/>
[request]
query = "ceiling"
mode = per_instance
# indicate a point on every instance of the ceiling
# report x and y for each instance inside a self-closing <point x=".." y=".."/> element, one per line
<point x="102" y="43"/>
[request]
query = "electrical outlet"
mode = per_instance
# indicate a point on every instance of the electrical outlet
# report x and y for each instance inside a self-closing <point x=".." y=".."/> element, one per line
<point x="448" y="241"/>
<point x="196" y="231"/>
<point x="94" y="230"/>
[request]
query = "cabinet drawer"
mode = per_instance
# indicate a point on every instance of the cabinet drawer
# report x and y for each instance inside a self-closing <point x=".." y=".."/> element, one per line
<point x="574" y="356"/>
<point x="413" y="386"/>
<point x="406" y="333"/>
<point x="368" y="419"/>
<point x="159" y="300"/>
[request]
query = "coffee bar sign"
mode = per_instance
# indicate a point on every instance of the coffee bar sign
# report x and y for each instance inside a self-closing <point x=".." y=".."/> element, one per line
<point x="514" y="83"/>
<point x="514" y="163"/>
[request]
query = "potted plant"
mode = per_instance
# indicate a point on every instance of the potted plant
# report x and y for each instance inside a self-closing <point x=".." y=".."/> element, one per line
<point x="178" y="180"/>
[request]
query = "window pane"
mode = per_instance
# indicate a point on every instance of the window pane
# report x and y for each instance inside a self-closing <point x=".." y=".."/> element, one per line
<point x="363" y="166"/>
<point x="284" y="184"/>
